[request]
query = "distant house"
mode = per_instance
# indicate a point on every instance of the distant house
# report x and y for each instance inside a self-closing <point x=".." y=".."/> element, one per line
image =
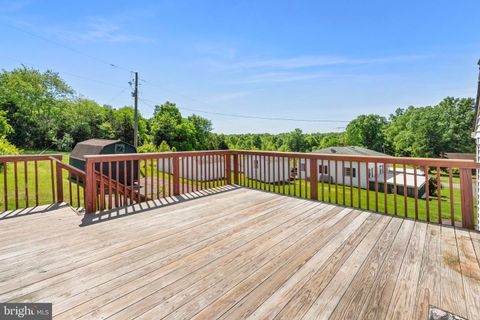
<point x="339" y="171"/>
<point x="358" y="175"/>
<point x="207" y="168"/>
<point x="268" y="169"/>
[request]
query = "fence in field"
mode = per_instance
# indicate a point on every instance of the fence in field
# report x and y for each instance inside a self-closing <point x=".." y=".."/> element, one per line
<point x="432" y="190"/>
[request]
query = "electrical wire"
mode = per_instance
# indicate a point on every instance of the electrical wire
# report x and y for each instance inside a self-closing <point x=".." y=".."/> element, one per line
<point x="33" y="34"/>
<point x="180" y="94"/>
<point x="253" y="117"/>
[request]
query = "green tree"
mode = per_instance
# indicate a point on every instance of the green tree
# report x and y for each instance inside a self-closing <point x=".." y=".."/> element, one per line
<point x="203" y="128"/>
<point x="296" y="141"/>
<point x="165" y="120"/>
<point x="367" y="131"/>
<point x="34" y="103"/>
<point x="429" y="131"/>
<point x="5" y="127"/>
<point x="122" y="125"/>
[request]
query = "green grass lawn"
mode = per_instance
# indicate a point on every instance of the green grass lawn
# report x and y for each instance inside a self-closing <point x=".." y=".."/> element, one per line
<point x="45" y="195"/>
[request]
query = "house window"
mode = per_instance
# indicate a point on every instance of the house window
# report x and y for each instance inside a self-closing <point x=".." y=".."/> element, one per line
<point x="381" y="168"/>
<point x="353" y="172"/>
<point x="370" y="172"/>
<point x="324" y="171"/>
<point x="302" y="166"/>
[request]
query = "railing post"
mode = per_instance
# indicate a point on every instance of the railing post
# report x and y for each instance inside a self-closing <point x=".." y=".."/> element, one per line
<point x="228" y="168"/>
<point x="90" y="187"/>
<point x="58" y="170"/>
<point x="176" y="175"/>
<point x="313" y="178"/>
<point x="466" y="192"/>
<point x="235" y="168"/>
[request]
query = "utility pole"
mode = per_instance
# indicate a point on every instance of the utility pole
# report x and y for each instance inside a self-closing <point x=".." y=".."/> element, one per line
<point x="135" y="126"/>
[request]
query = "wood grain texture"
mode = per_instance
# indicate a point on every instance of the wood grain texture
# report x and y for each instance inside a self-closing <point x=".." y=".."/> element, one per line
<point x="238" y="254"/>
<point x="452" y="291"/>
<point x="428" y="287"/>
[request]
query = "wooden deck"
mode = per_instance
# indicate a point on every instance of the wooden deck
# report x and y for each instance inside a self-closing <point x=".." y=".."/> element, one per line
<point x="238" y="254"/>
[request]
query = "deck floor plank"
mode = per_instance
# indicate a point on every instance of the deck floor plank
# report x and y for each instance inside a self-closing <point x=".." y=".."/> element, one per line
<point x="402" y="302"/>
<point x="470" y="273"/>
<point x="452" y="290"/>
<point x="357" y="293"/>
<point x="234" y="253"/>
<point x="428" y="287"/>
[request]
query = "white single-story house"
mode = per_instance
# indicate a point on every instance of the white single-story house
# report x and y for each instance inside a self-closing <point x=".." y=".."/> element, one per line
<point x="267" y="169"/>
<point x="340" y="172"/>
<point x="209" y="168"/>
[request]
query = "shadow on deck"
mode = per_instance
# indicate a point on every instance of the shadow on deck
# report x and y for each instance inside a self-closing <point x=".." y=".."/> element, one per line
<point x="235" y="253"/>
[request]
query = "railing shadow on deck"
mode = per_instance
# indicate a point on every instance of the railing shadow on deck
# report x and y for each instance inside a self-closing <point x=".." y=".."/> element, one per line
<point x="22" y="212"/>
<point x="126" y="211"/>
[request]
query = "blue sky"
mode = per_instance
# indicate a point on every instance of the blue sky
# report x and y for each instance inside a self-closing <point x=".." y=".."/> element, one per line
<point x="288" y="59"/>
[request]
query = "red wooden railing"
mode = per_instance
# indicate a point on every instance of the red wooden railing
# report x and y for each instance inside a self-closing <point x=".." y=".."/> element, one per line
<point x="22" y="187"/>
<point x="433" y="190"/>
<point x="371" y="183"/>
<point x="119" y="180"/>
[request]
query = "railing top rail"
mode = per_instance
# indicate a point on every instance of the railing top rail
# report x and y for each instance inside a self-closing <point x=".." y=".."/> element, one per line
<point x="433" y="162"/>
<point x="29" y="157"/>
<point x="68" y="167"/>
<point x="466" y="164"/>
<point x="137" y="156"/>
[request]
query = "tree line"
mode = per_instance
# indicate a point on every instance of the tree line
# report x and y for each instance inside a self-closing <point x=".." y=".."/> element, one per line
<point x="39" y="110"/>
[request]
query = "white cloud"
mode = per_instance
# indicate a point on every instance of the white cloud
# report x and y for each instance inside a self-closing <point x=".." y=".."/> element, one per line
<point x="308" y="62"/>
<point x="104" y="29"/>
<point x="227" y="96"/>
<point x="13" y="6"/>
<point x="89" y="29"/>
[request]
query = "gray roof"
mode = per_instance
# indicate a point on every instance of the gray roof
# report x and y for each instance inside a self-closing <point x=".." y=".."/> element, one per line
<point x="91" y="146"/>
<point x="351" y="150"/>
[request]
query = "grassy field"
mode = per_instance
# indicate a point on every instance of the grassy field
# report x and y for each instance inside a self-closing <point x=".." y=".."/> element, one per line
<point x="337" y="195"/>
<point x="45" y="183"/>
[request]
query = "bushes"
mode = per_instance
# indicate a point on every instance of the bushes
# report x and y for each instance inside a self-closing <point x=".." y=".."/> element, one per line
<point x="7" y="148"/>
<point x="150" y="147"/>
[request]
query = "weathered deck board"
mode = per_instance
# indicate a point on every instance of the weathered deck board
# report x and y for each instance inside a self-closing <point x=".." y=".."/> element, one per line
<point x="238" y="254"/>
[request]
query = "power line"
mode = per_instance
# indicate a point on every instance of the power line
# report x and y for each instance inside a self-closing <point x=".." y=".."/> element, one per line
<point x="144" y="81"/>
<point x="254" y="117"/>
<point x="115" y="97"/>
<point x="63" y="72"/>
<point x="113" y="65"/>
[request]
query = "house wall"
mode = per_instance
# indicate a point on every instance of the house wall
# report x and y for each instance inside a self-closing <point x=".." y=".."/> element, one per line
<point x="477" y="159"/>
<point x="271" y="170"/>
<point x="207" y="170"/>
<point x="334" y="172"/>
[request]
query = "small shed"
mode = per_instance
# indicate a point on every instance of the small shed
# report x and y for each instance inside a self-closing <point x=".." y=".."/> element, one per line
<point x="103" y="146"/>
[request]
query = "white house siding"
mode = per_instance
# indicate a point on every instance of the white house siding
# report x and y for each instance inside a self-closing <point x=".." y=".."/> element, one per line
<point x="267" y="169"/>
<point x="340" y="178"/>
<point x="477" y="159"/>
<point x="207" y="169"/>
